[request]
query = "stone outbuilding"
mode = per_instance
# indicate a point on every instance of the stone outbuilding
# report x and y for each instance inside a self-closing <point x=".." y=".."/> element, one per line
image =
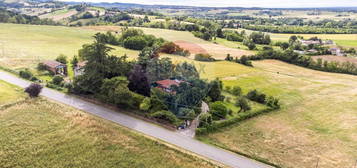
<point x="56" y="67"/>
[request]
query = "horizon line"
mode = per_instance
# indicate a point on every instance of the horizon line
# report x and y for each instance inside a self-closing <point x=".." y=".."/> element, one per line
<point x="198" y="6"/>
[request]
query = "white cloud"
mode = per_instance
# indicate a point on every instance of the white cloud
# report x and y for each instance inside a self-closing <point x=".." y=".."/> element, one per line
<point x="240" y="3"/>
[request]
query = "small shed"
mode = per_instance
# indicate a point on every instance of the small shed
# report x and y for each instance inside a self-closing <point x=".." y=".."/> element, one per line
<point x="56" y="67"/>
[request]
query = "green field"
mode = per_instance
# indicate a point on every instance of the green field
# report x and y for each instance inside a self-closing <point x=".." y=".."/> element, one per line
<point x="24" y="46"/>
<point x="40" y="133"/>
<point x="316" y="122"/>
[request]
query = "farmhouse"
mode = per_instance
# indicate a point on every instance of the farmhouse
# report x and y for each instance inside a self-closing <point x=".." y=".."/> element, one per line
<point x="309" y="42"/>
<point x="166" y="84"/>
<point x="56" y="67"/>
<point x="336" y="51"/>
<point x="312" y="51"/>
<point x="299" y="51"/>
<point x="328" y="42"/>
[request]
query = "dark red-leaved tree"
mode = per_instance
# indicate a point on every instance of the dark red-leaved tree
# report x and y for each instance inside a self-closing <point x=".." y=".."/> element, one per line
<point x="33" y="90"/>
<point x="138" y="81"/>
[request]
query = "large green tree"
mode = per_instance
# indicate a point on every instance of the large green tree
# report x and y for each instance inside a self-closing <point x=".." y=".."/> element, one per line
<point x="100" y="65"/>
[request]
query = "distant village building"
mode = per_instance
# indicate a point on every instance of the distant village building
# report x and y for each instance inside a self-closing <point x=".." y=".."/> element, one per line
<point x="309" y="42"/>
<point x="79" y="68"/>
<point x="165" y="85"/>
<point x="312" y="51"/>
<point x="56" y="67"/>
<point x="299" y="52"/>
<point x="336" y="51"/>
<point x="328" y="42"/>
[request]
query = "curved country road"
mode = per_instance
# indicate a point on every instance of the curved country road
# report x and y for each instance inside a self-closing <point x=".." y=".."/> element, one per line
<point x="219" y="155"/>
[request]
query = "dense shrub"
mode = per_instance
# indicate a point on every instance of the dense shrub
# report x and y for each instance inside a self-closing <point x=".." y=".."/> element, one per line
<point x="218" y="110"/>
<point x="273" y="102"/>
<point x="215" y="91"/>
<point x="33" y="90"/>
<point x="260" y="38"/>
<point x="236" y="91"/>
<point x="172" y="48"/>
<point x="145" y="104"/>
<point x="216" y="125"/>
<point x="245" y="61"/>
<point x="233" y="36"/>
<point x="115" y="91"/>
<point x="250" y="44"/>
<point x="57" y="80"/>
<point x="135" y="43"/>
<point x="243" y="104"/>
<point x="186" y="113"/>
<point x="204" y="57"/>
<point x="165" y="116"/>
<point x="62" y="59"/>
<point x="256" y="96"/>
<point x="157" y="105"/>
<point x="34" y="79"/>
<point x="41" y="67"/>
<point x="205" y="120"/>
<point x="26" y="74"/>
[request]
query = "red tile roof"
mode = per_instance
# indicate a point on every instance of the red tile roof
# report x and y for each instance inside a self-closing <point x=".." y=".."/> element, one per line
<point x="52" y="64"/>
<point x="167" y="83"/>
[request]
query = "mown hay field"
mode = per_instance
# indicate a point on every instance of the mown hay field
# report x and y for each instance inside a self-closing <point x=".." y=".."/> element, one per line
<point x="10" y="93"/>
<point x="41" y="133"/>
<point x="316" y="122"/>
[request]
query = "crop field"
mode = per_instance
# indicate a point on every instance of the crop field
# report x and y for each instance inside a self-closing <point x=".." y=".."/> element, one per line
<point x="40" y="133"/>
<point x="316" y="122"/>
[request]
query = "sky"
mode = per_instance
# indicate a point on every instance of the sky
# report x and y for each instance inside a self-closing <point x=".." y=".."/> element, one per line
<point x="240" y="3"/>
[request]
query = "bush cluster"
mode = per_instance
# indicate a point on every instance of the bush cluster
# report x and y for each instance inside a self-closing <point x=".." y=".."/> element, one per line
<point x="204" y="57"/>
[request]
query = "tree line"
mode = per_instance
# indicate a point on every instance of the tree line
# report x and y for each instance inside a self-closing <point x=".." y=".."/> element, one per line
<point x="12" y="17"/>
<point x="131" y="84"/>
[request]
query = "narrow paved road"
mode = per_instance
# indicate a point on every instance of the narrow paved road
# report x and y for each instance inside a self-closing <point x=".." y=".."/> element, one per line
<point x="187" y="143"/>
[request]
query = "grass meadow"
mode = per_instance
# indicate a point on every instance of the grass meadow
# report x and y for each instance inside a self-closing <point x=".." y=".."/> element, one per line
<point x="41" y="133"/>
<point x="316" y="122"/>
